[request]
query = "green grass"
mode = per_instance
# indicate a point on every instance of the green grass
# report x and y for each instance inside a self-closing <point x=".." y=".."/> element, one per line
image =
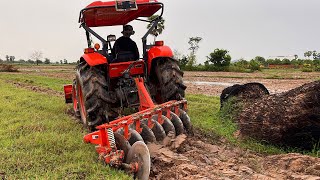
<point x="42" y="81"/>
<point x="40" y="141"/>
<point x="204" y="113"/>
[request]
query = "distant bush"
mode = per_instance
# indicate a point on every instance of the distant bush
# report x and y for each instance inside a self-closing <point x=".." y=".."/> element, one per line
<point x="8" y="68"/>
<point x="307" y="69"/>
<point x="317" y="68"/>
<point x="234" y="68"/>
<point x="213" y="68"/>
<point x="255" y="66"/>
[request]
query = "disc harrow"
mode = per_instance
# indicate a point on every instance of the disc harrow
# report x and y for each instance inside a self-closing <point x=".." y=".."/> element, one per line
<point x="122" y="143"/>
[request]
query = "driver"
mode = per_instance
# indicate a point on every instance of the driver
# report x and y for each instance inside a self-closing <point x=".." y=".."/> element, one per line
<point x="125" y="44"/>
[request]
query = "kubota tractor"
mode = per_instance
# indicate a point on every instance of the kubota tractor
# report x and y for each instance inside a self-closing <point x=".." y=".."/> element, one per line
<point x="107" y="88"/>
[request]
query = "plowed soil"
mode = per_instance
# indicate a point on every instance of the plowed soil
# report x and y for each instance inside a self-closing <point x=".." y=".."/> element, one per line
<point x="192" y="158"/>
<point x="198" y="157"/>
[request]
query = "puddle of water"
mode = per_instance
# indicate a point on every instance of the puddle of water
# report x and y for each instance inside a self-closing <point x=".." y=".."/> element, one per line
<point x="210" y="83"/>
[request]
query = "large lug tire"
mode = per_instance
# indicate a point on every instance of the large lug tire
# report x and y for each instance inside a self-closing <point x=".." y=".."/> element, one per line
<point x="93" y="96"/>
<point x="170" y="81"/>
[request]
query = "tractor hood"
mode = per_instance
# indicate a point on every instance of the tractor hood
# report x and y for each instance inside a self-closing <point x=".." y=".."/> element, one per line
<point x="105" y="14"/>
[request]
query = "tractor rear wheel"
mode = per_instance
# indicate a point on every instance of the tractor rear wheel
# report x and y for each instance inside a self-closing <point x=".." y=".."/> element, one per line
<point x="170" y="81"/>
<point x="75" y="103"/>
<point x="93" y="96"/>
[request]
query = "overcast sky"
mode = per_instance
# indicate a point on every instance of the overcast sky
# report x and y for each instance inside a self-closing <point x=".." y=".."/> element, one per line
<point x="247" y="28"/>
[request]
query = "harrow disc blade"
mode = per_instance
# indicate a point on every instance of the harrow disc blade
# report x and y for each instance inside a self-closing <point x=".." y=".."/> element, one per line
<point x="158" y="130"/>
<point x="186" y="121"/>
<point x="177" y="123"/>
<point x="122" y="144"/>
<point x="147" y="134"/>
<point x="135" y="136"/>
<point x="139" y="153"/>
<point x="167" y="125"/>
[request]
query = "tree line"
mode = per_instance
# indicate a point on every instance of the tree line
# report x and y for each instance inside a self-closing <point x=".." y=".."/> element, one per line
<point x="35" y="58"/>
<point x="220" y="60"/>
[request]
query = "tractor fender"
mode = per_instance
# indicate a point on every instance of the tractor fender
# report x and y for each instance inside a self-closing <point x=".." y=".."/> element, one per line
<point x="156" y="52"/>
<point x="94" y="59"/>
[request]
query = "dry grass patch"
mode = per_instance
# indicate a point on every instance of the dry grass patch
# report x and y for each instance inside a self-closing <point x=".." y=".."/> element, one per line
<point x="8" y="68"/>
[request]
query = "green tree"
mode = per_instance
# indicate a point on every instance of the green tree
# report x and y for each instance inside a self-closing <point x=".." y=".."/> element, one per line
<point x="255" y="65"/>
<point x="308" y="54"/>
<point x="270" y="61"/>
<point x="286" y="61"/>
<point x="220" y="58"/>
<point x="12" y="58"/>
<point x="242" y="63"/>
<point x="315" y="54"/>
<point x="47" y="61"/>
<point x="7" y="58"/>
<point x="316" y="62"/>
<point x="65" y="61"/>
<point x="260" y="59"/>
<point x="183" y="61"/>
<point x="30" y="61"/>
<point x="194" y="46"/>
<point x="277" y="61"/>
<point x="296" y="57"/>
<point x="159" y="28"/>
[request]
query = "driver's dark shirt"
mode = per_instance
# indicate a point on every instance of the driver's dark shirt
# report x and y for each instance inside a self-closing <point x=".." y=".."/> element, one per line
<point x="125" y="44"/>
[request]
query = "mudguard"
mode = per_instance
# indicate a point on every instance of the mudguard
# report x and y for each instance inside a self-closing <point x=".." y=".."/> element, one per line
<point x="68" y="93"/>
<point x="94" y="59"/>
<point x="156" y="52"/>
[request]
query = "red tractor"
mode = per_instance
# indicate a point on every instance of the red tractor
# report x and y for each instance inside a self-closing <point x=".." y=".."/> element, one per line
<point x="126" y="103"/>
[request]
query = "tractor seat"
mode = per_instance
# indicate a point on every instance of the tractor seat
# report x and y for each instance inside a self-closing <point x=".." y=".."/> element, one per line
<point x="124" y="56"/>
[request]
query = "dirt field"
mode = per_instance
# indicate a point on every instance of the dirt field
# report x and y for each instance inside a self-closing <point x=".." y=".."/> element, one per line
<point x="199" y="157"/>
<point x="276" y="81"/>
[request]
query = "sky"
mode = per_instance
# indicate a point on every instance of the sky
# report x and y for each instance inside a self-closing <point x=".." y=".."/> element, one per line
<point x="246" y="28"/>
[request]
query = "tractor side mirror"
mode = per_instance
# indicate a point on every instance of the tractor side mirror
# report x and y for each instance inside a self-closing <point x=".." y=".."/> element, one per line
<point x="126" y="5"/>
<point x="111" y="38"/>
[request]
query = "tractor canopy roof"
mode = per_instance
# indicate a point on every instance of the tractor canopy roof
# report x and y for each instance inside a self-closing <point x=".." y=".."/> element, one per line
<point x="105" y="13"/>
